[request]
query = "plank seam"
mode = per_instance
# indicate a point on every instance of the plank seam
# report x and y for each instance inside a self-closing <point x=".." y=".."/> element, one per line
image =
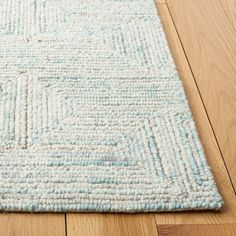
<point x="158" y="232"/>
<point x="181" y="43"/>
<point x="65" y="224"/>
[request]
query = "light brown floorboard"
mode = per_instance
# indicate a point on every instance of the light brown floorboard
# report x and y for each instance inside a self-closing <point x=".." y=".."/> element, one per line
<point x="197" y="230"/>
<point x="228" y="214"/>
<point x="230" y="9"/>
<point x="92" y="224"/>
<point x="26" y="224"/>
<point x="209" y="41"/>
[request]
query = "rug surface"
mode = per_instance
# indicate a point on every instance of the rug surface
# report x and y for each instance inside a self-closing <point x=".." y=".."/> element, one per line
<point x="93" y="115"/>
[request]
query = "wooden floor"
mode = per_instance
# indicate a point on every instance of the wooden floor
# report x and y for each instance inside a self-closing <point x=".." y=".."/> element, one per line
<point x="202" y="36"/>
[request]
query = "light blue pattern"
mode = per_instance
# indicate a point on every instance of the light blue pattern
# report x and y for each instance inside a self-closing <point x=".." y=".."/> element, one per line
<point x="93" y="115"/>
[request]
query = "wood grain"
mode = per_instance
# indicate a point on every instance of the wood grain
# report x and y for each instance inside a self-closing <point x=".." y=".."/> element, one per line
<point x="87" y="224"/>
<point x="209" y="41"/>
<point x="228" y="214"/>
<point x="230" y="9"/>
<point x="197" y="230"/>
<point x="26" y="224"/>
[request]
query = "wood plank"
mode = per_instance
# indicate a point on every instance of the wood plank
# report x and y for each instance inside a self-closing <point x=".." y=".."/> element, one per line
<point x="160" y="1"/>
<point x="209" y="41"/>
<point x="228" y="214"/>
<point x="230" y="9"/>
<point x="26" y="224"/>
<point x="197" y="230"/>
<point x="88" y="224"/>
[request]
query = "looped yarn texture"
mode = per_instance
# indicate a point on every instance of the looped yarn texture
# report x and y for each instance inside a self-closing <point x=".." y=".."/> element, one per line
<point x="93" y="115"/>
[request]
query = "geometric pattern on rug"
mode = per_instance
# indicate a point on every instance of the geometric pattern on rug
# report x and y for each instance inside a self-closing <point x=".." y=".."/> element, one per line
<point x="93" y="115"/>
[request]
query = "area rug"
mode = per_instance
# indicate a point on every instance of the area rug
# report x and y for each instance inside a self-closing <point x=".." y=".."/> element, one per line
<point x="93" y="114"/>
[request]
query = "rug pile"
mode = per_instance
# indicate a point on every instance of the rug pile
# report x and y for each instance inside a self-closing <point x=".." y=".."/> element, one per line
<point x="93" y="115"/>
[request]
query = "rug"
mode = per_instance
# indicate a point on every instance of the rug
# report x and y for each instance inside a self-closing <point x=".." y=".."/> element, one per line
<point x="93" y="114"/>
